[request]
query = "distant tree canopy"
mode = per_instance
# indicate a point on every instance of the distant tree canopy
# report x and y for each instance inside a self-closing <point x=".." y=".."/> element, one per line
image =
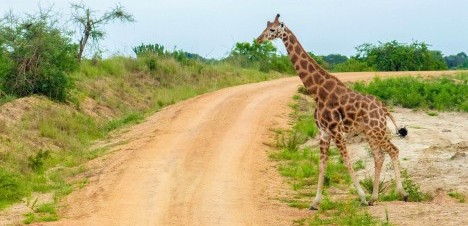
<point x="263" y="56"/>
<point x="334" y="59"/>
<point x="394" y="56"/>
<point x="254" y="51"/>
<point x="459" y="61"/>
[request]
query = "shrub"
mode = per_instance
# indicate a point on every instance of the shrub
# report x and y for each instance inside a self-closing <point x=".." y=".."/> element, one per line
<point x="36" y="57"/>
<point x="443" y="93"/>
<point x="11" y="188"/>
<point x="394" y="56"/>
<point x="353" y="65"/>
<point x="36" y="162"/>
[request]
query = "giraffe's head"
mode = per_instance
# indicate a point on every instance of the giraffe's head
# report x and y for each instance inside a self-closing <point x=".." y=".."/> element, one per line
<point x="272" y="31"/>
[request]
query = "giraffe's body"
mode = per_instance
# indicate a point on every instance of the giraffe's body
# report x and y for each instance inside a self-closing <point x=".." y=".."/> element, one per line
<point x="339" y="110"/>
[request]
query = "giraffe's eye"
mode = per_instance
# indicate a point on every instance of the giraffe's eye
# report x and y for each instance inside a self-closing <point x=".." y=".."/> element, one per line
<point x="272" y="30"/>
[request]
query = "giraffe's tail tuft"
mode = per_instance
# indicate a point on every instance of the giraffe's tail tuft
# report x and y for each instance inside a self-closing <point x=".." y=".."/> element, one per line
<point x="402" y="132"/>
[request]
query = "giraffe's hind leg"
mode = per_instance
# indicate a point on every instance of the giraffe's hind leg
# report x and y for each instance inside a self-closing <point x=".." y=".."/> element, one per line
<point x="393" y="152"/>
<point x="378" y="162"/>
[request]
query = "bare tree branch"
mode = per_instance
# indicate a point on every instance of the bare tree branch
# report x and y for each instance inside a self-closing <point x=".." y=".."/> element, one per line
<point x="90" y="24"/>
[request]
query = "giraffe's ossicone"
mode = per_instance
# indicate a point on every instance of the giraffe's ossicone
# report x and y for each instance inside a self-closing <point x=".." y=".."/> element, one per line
<point x="340" y="110"/>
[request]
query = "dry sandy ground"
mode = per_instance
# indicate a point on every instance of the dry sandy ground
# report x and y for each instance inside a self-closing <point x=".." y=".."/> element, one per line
<point x="435" y="155"/>
<point x="203" y="162"/>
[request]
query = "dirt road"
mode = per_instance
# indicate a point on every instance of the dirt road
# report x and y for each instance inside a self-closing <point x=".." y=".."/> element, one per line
<point x="199" y="162"/>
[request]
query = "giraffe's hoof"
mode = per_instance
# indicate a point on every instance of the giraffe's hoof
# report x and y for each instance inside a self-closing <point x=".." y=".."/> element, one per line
<point x="405" y="198"/>
<point x="365" y="203"/>
<point x="313" y="208"/>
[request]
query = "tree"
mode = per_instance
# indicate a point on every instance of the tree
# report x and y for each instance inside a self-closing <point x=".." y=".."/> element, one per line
<point x="334" y="59"/>
<point x="254" y="51"/>
<point x="90" y="24"/>
<point x="459" y="61"/>
<point x="319" y="59"/>
<point x="35" y="56"/>
<point x="394" y="56"/>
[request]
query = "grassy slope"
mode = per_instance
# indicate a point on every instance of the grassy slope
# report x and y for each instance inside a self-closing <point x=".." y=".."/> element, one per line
<point x="44" y="143"/>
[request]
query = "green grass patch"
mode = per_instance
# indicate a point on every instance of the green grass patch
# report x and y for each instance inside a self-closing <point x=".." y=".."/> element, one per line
<point x="43" y="213"/>
<point x="412" y="188"/>
<point x="458" y="196"/>
<point x="443" y="93"/>
<point x="131" y="118"/>
<point x="342" y="213"/>
<point x="12" y="188"/>
<point x="359" y="165"/>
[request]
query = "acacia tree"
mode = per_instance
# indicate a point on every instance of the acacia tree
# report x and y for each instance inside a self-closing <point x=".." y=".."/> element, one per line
<point x="90" y="24"/>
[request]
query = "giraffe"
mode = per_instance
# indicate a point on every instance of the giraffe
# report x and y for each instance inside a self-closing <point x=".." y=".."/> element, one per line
<point x="340" y="110"/>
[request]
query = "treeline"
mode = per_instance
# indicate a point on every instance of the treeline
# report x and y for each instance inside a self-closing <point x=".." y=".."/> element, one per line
<point x="389" y="56"/>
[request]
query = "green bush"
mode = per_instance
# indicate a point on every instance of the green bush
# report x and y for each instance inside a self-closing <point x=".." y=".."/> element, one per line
<point x="444" y="93"/>
<point x="352" y="65"/>
<point x="394" y="56"/>
<point x="36" y="162"/>
<point x="35" y="57"/>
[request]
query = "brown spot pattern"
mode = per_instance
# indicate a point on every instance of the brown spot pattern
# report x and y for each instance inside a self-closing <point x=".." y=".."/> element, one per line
<point x="304" y="63"/>
<point x="294" y="59"/>
<point x="308" y="82"/>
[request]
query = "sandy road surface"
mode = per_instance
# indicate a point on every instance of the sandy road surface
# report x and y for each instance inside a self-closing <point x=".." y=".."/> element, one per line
<point x="199" y="162"/>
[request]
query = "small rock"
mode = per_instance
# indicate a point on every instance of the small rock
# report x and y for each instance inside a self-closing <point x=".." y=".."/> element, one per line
<point x="458" y="155"/>
<point x="446" y="130"/>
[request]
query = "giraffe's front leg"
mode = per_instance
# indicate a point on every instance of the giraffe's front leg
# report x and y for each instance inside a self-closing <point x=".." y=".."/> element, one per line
<point x="378" y="160"/>
<point x="324" y="145"/>
<point x="340" y="143"/>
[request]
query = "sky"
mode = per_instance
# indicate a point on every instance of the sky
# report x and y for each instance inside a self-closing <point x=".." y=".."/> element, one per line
<point x="211" y="28"/>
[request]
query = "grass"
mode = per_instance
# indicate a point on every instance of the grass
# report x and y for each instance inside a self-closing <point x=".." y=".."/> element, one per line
<point x="45" y="149"/>
<point x="43" y="213"/>
<point x="359" y="165"/>
<point x="432" y="113"/>
<point x="412" y="188"/>
<point x="442" y="93"/>
<point x="458" y="196"/>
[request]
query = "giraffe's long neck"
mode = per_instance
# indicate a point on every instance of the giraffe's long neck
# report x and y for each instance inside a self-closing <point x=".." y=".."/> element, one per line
<point x="312" y="75"/>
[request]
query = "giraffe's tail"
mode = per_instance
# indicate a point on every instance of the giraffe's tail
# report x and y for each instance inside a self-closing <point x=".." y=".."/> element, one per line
<point x="402" y="131"/>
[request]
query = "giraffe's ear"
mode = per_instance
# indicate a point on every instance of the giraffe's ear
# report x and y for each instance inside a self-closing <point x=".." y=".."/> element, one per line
<point x="268" y="23"/>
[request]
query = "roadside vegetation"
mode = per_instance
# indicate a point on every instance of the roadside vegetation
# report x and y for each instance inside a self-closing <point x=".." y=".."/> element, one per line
<point x="445" y="93"/>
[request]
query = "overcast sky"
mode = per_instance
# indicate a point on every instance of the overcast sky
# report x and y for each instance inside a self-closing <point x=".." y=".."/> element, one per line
<point x="212" y="27"/>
